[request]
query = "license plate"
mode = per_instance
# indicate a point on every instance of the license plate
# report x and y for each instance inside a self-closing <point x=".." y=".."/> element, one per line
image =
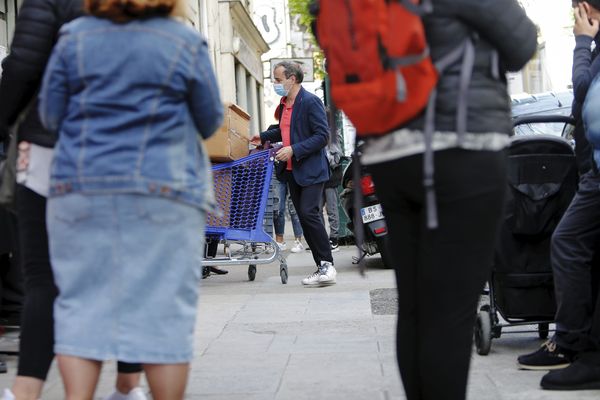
<point x="371" y="213"/>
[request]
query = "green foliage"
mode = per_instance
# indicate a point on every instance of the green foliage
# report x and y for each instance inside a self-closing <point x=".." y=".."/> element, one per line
<point x="300" y="8"/>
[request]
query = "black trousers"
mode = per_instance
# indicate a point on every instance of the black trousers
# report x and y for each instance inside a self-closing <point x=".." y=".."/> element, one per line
<point x="37" y="320"/>
<point x="307" y="202"/>
<point x="440" y="273"/>
<point x="575" y="265"/>
<point x="11" y="275"/>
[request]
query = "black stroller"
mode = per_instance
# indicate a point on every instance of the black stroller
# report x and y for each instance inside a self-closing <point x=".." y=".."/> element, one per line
<point x="542" y="176"/>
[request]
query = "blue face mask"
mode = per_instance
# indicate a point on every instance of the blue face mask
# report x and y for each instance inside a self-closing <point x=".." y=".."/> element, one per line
<point x="280" y="89"/>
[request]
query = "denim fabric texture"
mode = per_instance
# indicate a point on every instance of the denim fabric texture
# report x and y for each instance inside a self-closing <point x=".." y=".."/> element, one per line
<point x="330" y="203"/>
<point x="131" y="102"/>
<point x="128" y="268"/>
<point x="279" y="216"/>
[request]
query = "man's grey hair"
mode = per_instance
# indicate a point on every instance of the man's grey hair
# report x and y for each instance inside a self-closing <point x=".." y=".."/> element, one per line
<point x="291" y="68"/>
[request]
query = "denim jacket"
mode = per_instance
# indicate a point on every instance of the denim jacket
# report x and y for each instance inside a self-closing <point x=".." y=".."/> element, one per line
<point x="128" y="102"/>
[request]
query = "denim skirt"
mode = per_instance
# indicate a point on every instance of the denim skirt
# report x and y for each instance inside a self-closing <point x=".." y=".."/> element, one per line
<point x="128" y="269"/>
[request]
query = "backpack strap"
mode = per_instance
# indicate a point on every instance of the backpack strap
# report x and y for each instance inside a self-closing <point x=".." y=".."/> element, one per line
<point x="463" y="91"/>
<point x="422" y="8"/>
<point x="495" y="61"/>
<point x="394" y="62"/>
<point x="357" y="203"/>
<point x="466" y="51"/>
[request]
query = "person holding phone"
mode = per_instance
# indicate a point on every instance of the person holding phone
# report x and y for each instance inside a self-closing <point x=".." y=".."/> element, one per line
<point x="575" y="239"/>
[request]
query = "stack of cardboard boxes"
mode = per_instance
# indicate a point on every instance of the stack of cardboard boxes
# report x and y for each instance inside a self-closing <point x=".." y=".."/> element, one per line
<point x="231" y="141"/>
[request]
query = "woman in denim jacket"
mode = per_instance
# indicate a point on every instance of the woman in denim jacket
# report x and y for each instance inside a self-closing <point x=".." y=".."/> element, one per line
<point x="131" y="92"/>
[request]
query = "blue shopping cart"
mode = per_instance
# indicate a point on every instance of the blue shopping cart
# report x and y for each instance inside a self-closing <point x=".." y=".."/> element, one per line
<point x="242" y="195"/>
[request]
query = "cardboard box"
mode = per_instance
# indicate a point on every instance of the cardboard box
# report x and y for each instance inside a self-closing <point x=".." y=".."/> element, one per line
<point x="231" y="141"/>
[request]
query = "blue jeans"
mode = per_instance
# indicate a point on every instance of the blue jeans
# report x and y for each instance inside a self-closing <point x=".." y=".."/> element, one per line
<point x="330" y="202"/>
<point x="279" y="214"/>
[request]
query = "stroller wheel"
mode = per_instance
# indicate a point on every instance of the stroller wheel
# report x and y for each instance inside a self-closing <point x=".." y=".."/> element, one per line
<point x="483" y="332"/>
<point x="543" y="330"/>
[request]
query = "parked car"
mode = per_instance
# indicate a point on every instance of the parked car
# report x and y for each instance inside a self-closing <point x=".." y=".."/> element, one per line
<point x="547" y="104"/>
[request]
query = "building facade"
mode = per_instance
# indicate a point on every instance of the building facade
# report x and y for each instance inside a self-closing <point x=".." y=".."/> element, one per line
<point x="236" y="47"/>
<point x="550" y="69"/>
<point x="287" y="40"/>
<point x="235" y="44"/>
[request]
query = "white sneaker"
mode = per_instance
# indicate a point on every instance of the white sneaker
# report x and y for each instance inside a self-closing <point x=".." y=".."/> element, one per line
<point x="8" y="395"/>
<point x="282" y="246"/>
<point x="298" y="247"/>
<point x="312" y="279"/>
<point x="135" y="394"/>
<point x="328" y="273"/>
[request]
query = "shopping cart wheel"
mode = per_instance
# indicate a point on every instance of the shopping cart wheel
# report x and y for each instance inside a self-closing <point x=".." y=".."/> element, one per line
<point x="283" y="272"/>
<point x="543" y="330"/>
<point x="483" y="332"/>
<point x="251" y="272"/>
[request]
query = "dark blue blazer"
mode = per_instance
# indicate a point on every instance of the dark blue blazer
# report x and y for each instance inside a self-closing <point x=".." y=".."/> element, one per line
<point x="309" y="133"/>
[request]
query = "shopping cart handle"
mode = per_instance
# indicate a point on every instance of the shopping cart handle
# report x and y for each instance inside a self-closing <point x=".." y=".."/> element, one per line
<point x="266" y="146"/>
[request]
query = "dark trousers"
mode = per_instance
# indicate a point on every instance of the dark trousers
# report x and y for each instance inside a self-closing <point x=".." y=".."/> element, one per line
<point x="440" y="273"/>
<point x="574" y="258"/>
<point x="307" y="202"/>
<point x="11" y="276"/>
<point x="37" y="321"/>
<point x="593" y="353"/>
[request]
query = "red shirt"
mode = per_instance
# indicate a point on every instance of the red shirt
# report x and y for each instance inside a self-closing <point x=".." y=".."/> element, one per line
<point x="285" y="125"/>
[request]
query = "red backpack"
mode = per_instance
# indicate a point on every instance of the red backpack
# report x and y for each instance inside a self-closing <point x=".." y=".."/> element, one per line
<point x="377" y="59"/>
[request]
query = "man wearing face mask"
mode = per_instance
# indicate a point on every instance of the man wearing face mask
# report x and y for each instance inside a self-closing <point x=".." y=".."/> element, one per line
<point x="303" y="130"/>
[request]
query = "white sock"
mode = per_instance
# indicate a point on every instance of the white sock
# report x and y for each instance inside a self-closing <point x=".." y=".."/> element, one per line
<point x="8" y="395"/>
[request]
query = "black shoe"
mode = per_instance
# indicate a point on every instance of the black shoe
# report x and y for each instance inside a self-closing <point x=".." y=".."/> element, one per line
<point x="205" y="272"/>
<point x="548" y="356"/>
<point x="218" y="270"/>
<point x="580" y="375"/>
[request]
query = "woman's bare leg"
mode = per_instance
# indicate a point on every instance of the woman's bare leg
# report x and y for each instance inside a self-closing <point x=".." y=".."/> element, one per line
<point x="167" y="381"/>
<point x="80" y="376"/>
<point x="27" y="388"/>
<point x="126" y="382"/>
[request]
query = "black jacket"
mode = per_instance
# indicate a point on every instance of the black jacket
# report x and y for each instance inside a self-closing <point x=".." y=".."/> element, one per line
<point x="36" y="32"/>
<point x="505" y="39"/>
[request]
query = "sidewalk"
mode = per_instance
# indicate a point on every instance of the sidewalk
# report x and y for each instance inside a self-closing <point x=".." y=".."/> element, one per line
<point x="263" y="340"/>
